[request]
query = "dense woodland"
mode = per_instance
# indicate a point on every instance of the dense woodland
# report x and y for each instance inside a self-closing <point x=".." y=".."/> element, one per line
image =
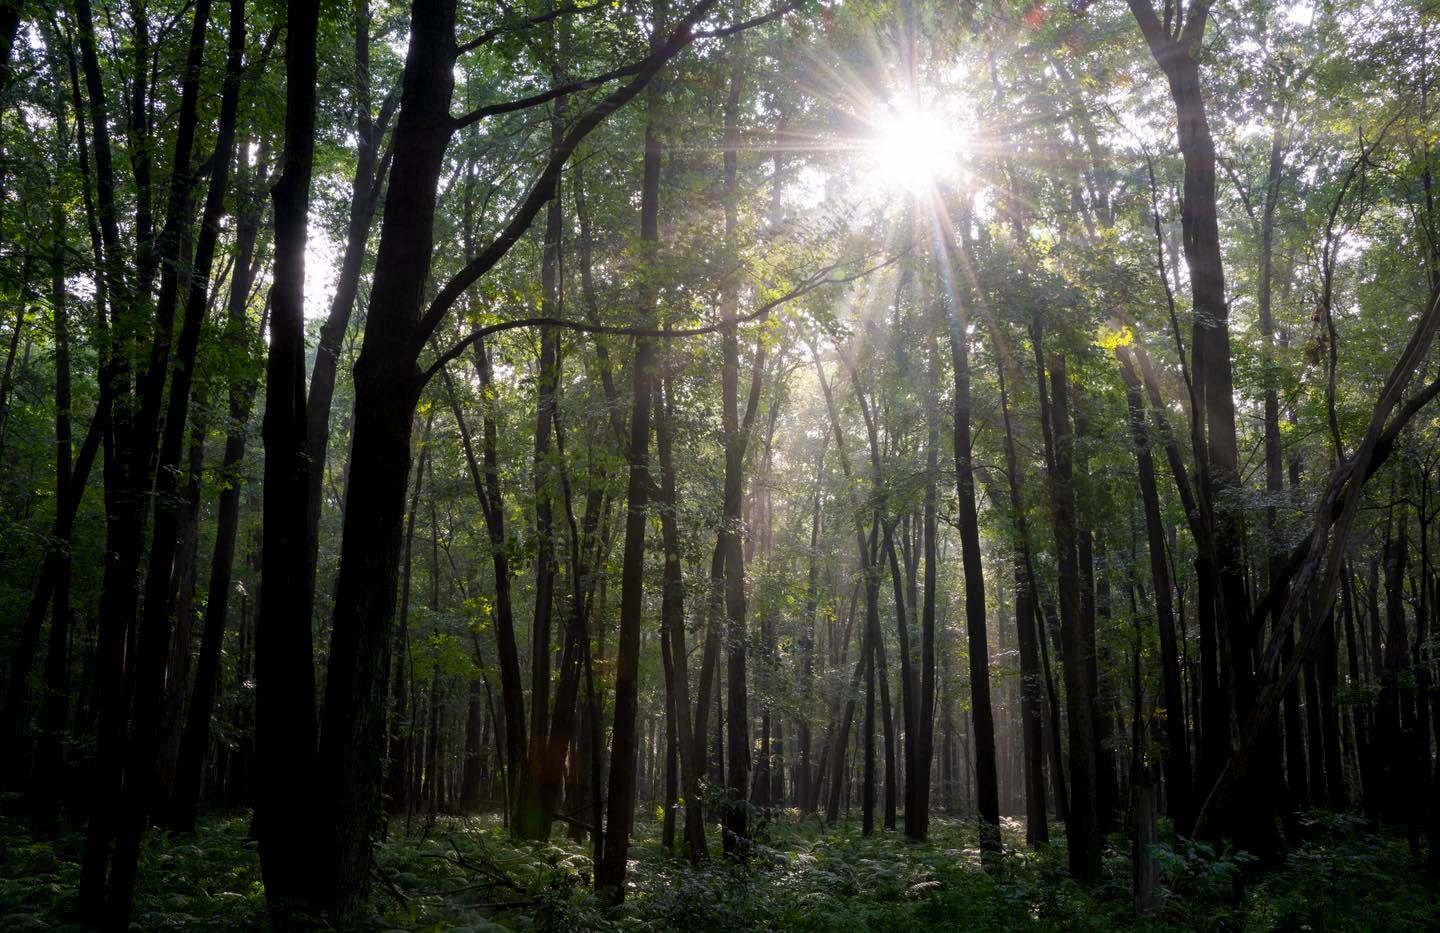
<point x="682" y="464"/>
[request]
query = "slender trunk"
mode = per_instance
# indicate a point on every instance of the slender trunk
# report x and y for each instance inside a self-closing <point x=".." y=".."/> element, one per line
<point x="404" y="727"/>
<point x="142" y="782"/>
<point x="672" y="613"/>
<point x="1177" y="750"/>
<point x="183" y="583"/>
<point x="987" y="788"/>
<point x="123" y="502"/>
<point x="532" y="818"/>
<point x="487" y="489"/>
<point x="1094" y="600"/>
<point x="365" y="188"/>
<point x="49" y="772"/>
<point x="919" y="777"/>
<point x="736" y="838"/>
<point x="806" y="776"/>
<point x="1084" y="839"/>
<point x="610" y="869"/>
<point x="7" y="379"/>
<point x="1032" y="687"/>
<point x="195" y="740"/>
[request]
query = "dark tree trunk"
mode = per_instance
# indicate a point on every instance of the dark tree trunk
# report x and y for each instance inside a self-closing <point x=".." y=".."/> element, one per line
<point x="532" y="818"/>
<point x="49" y="772"/>
<point x="1094" y="600"/>
<point x="183" y="583"/>
<point x="736" y="821"/>
<point x="1253" y="820"/>
<point x="285" y="712"/>
<point x="807" y="777"/>
<point x="918" y="827"/>
<point x="147" y="679"/>
<point x="404" y="726"/>
<point x="123" y="502"/>
<point x="987" y="788"/>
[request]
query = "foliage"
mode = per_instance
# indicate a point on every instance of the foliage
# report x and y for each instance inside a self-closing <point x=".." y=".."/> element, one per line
<point x="465" y="875"/>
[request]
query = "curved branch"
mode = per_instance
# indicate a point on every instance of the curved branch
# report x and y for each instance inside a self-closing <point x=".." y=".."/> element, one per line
<point x="543" y="188"/>
<point x="584" y="327"/>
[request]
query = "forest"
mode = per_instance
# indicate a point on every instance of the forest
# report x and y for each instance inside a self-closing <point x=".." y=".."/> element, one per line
<point x="719" y="465"/>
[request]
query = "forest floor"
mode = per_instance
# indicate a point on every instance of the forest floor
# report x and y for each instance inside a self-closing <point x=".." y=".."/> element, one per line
<point x="464" y="875"/>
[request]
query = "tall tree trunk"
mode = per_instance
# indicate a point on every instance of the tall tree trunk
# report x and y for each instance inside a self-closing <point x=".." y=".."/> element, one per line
<point x="404" y="724"/>
<point x="49" y="772"/>
<point x="531" y="819"/>
<point x="124" y="508"/>
<point x="919" y="777"/>
<point x="868" y="552"/>
<point x="1032" y="687"/>
<point x="183" y="583"/>
<point x="142" y="781"/>
<point x="365" y="188"/>
<point x="7" y="378"/>
<point x="1094" y="600"/>
<point x="987" y="788"/>
<point x="672" y="613"/>
<point x="1213" y="383"/>
<point x="285" y="711"/>
<point x="736" y="838"/>
<point x="807" y="777"/>
<point x="195" y="741"/>
<point x="1177" y="749"/>
<point x="610" y="869"/>
<point x="1084" y="838"/>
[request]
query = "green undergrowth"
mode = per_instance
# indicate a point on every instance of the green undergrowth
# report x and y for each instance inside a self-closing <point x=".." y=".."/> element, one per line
<point x="465" y="875"/>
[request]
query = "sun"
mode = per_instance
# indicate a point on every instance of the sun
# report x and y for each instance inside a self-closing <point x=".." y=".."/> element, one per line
<point x="912" y="147"/>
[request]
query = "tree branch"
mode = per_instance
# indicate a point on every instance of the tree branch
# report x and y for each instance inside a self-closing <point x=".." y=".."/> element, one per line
<point x="535" y="100"/>
<point x="543" y="188"/>
<point x="518" y="25"/>
<point x="760" y="313"/>
<point x="772" y="16"/>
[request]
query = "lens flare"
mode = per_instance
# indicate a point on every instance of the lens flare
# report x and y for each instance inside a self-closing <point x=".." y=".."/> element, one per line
<point x="913" y="147"/>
